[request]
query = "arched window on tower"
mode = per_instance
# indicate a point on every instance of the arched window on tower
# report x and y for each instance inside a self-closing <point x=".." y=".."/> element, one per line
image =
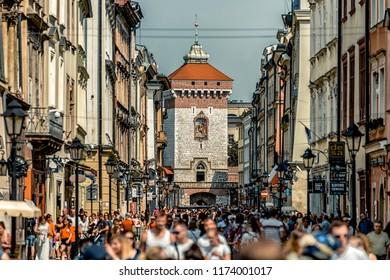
<point x="200" y="172"/>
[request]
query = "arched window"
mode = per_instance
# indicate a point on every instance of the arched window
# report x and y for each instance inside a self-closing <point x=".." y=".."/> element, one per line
<point x="200" y="172"/>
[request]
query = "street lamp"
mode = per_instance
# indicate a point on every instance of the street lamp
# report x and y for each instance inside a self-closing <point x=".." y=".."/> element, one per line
<point x="76" y="153"/>
<point x="128" y="188"/>
<point x="14" y="120"/>
<point x="354" y="138"/>
<point x="308" y="161"/>
<point x="110" y="169"/>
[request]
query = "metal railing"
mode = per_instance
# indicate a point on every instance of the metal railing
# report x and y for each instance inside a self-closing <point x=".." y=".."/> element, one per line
<point x="46" y="121"/>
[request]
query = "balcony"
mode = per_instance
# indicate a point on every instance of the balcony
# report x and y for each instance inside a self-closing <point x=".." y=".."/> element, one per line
<point x="207" y="186"/>
<point x="44" y="129"/>
<point x="162" y="141"/>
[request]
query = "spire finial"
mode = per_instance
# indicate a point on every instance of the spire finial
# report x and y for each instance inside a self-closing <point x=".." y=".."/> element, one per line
<point x="196" y="29"/>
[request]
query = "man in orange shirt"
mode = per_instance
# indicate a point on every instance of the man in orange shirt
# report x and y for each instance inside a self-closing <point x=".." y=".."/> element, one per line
<point x="51" y="234"/>
<point x="127" y="224"/>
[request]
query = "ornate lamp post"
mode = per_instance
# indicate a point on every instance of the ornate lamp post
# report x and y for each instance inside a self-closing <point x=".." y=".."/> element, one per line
<point x="308" y="161"/>
<point x="354" y="138"/>
<point x="110" y="169"/>
<point x="76" y="153"/>
<point x="14" y="120"/>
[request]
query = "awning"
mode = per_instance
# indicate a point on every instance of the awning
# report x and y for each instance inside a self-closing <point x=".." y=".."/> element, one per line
<point x="168" y="170"/>
<point x="25" y="209"/>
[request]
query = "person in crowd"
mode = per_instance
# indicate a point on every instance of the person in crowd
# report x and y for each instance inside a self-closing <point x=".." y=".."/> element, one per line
<point x="59" y="225"/>
<point x="361" y="241"/>
<point x="3" y="256"/>
<point x="127" y="223"/>
<point x="108" y="219"/>
<point x="83" y="225"/>
<point x="273" y="229"/>
<point x="325" y="225"/>
<point x="121" y="247"/>
<point x="152" y="223"/>
<point x="65" y="213"/>
<point x="193" y="253"/>
<point x="72" y="216"/>
<point x="177" y="250"/>
<point x="339" y="230"/>
<point x="51" y="235"/>
<point x="365" y="225"/>
<point x="66" y="237"/>
<point x="379" y="241"/>
<point x="73" y="232"/>
<point x="155" y="253"/>
<point x="193" y="232"/>
<point x="250" y="235"/>
<point x="41" y="230"/>
<point x="30" y="238"/>
<point x="114" y="230"/>
<point x="5" y="239"/>
<point x="216" y="250"/>
<point x="101" y="230"/>
<point x="137" y="224"/>
<point x="159" y="236"/>
<point x="204" y="241"/>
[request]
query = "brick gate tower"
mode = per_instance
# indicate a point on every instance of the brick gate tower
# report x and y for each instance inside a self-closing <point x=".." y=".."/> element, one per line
<point x="197" y="128"/>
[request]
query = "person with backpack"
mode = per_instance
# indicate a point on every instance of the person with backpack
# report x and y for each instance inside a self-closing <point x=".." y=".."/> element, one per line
<point x="249" y="236"/>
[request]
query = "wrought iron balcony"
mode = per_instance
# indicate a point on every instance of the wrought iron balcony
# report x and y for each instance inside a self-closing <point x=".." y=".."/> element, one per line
<point x="207" y="185"/>
<point x="44" y="129"/>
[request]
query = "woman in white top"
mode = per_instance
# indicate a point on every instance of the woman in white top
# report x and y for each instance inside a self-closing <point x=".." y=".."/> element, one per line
<point x="41" y="229"/>
<point x="137" y="225"/>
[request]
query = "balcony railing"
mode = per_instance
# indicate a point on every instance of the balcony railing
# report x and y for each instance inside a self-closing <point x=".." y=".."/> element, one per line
<point x="45" y="121"/>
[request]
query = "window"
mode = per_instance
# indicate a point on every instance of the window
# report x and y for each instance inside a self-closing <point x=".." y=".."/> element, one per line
<point x="374" y="95"/>
<point x="373" y="12"/>
<point x="200" y="172"/>
<point x="351" y="85"/>
<point x="381" y="93"/>
<point x="381" y="10"/>
<point x="193" y="83"/>
<point x="218" y="83"/>
<point x="205" y="83"/>
<point x="362" y="82"/>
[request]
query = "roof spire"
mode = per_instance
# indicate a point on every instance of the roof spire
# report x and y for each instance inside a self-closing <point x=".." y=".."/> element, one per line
<point x="196" y="29"/>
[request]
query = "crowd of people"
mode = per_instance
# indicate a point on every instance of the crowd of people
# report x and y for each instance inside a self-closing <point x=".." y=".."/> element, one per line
<point x="201" y="234"/>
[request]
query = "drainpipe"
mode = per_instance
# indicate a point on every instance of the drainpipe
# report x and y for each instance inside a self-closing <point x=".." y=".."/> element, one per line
<point x="100" y="106"/>
<point x="367" y="105"/>
<point x="19" y="31"/>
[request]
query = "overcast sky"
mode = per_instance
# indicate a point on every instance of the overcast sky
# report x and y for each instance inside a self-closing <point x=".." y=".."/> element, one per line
<point x="233" y="32"/>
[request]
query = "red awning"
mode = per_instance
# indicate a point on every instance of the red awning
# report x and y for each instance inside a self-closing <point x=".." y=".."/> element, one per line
<point x="168" y="170"/>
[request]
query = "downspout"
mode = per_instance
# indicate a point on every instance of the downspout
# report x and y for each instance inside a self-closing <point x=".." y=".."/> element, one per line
<point x="99" y="112"/>
<point x="266" y="126"/>
<point x="339" y="44"/>
<point x="19" y="31"/>
<point x="275" y="95"/>
<point x="367" y="105"/>
<point x="292" y="121"/>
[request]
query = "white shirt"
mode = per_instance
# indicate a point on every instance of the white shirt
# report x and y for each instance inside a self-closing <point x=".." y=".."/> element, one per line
<point x="352" y="253"/>
<point x="172" y="252"/>
<point x="221" y="249"/>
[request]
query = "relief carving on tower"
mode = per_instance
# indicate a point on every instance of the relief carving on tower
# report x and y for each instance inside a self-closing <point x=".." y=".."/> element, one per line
<point x="201" y="127"/>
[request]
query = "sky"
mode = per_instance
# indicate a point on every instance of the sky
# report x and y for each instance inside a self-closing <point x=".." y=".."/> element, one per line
<point x="233" y="32"/>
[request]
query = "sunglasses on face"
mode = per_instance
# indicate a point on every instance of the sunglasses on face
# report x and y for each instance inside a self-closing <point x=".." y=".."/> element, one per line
<point x="176" y="232"/>
<point x="339" y="236"/>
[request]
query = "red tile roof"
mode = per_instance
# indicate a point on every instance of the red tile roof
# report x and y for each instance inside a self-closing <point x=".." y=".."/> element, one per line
<point x="199" y="71"/>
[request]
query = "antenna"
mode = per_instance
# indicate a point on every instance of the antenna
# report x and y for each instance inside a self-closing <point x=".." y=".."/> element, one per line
<point x="196" y="29"/>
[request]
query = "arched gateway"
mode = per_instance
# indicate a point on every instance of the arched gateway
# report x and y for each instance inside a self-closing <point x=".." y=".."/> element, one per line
<point x="201" y="198"/>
